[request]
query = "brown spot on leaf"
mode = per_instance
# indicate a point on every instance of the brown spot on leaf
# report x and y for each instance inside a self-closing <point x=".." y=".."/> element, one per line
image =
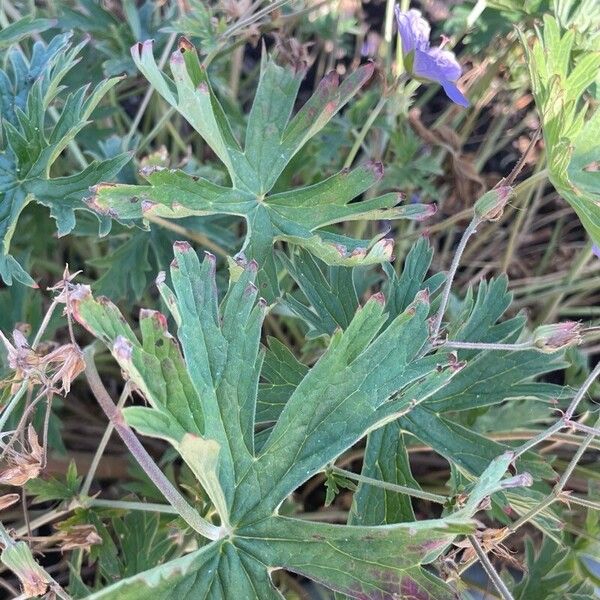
<point x="185" y="45"/>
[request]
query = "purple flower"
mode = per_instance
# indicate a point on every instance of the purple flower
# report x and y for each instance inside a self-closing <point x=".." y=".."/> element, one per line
<point x="596" y="250"/>
<point x="424" y="62"/>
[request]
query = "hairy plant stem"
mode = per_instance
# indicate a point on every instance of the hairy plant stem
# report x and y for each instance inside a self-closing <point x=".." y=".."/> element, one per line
<point x="401" y="489"/>
<point x="187" y="513"/>
<point x="595" y="373"/>
<point x="87" y="484"/>
<point x="566" y="420"/>
<point x="489" y="569"/>
<point x="557" y="493"/>
<point x="582" y="427"/>
<point x="569" y="498"/>
<point x="125" y="505"/>
<point x="487" y="346"/>
<point x="469" y="231"/>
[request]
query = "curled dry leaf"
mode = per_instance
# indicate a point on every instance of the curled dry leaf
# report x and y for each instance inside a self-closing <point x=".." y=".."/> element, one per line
<point x="65" y="364"/>
<point x="491" y="542"/>
<point x="8" y="500"/>
<point x="26" y="465"/>
<point x="77" y="536"/>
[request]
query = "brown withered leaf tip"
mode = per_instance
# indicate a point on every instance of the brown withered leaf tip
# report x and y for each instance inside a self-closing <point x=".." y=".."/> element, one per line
<point x="25" y="465"/>
<point x="8" y="500"/>
<point x="33" y="584"/>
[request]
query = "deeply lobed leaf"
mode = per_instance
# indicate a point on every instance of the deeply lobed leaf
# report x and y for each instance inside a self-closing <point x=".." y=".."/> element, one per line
<point x="203" y="401"/>
<point x="33" y="142"/>
<point x="272" y="140"/>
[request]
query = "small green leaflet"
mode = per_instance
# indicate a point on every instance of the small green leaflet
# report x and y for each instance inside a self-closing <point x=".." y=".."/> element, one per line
<point x="22" y="28"/>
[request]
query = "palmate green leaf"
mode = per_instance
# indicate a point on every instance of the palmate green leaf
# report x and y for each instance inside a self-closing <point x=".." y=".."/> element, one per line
<point x="33" y="142"/>
<point x="488" y="378"/>
<point x="204" y="404"/>
<point x="570" y="133"/>
<point x="272" y="139"/>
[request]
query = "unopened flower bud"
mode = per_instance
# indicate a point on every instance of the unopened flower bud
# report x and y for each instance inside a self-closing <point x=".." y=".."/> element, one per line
<point x="558" y="336"/>
<point x="490" y="206"/>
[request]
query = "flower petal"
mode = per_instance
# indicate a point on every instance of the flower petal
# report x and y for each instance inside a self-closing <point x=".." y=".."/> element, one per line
<point x="425" y="67"/>
<point x="446" y="61"/>
<point x="454" y="93"/>
<point x="413" y="29"/>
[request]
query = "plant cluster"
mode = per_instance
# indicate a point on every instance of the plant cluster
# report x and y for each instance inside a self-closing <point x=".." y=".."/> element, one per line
<point x="272" y="243"/>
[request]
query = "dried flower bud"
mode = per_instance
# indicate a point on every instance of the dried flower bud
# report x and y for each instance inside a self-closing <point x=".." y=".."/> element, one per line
<point x="34" y="580"/>
<point x="8" y="500"/>
<point x="558" y="336"/>
<point x="63" y="365"/>
<point x="23" y="466"/>
<point x="490" y="206"/>
<point x="77" y="536"/>
<point x="25" y="362"/>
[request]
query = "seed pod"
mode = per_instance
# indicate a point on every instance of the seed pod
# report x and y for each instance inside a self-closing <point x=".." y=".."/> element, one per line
<point x="558" y="336"/>
<point x="490" y="206"/>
